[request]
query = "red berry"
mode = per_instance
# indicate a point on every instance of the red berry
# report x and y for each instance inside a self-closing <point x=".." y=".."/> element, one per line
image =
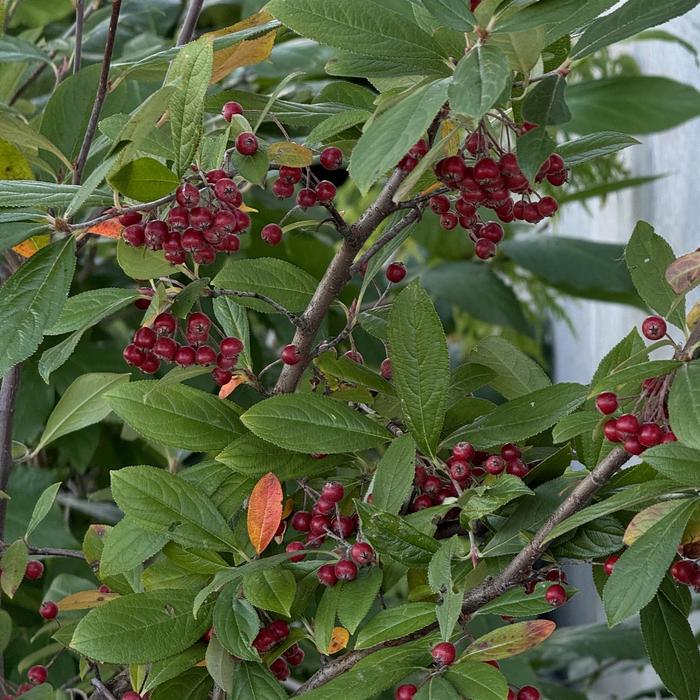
<point x="610" y="431"/>
<point x="306" y="198"/>
<point x="48" y="610"/>
<point x="205" y="355"/>
<point x="296" y="547"/>
<point x="405" y="692"/>
<point x="355" y="357"/>
<point x="463" y="451"/>
<point x="185" y="356"/>
<point x="650" y="434"/>
<point x="38" y="674"/>
<point x="289" y="174"/>
<point x="484" y="248"/>
<point x="213" y="176"/>
<point x="432" y="485"/>
<point x="187" y="195"/>
<point x="155" y="234"/>
<point x="271" y="234"/>
<point x="165" y="348"/>
<point x="325" y="191"/>
<point x="486" y="170"/>
<point x="133" y="355"/>
<point x="150" y="365"/>
<point x="385" y="369"/>
<point x="333" y="491"/>
<point x="282" y="189"/>
<point x="555" y="595"/>
<point x="493" y="232"/>
<point x="279" y="628"/>
<point x="669" y="436"/>
<point x="324" y="507"/>
<point x="345" y="570"/>
<point x="344" y="526"/>
<point x="557" y="179"/>
<point x="628" y="424"/>
<point x="606" y="403"/>
<point x="280" y="669"/>
<point x="294" y="655"/>
<point x="221" y="376"/>
<point x="683" y="571"/>
<point x="319" y="524"/>
<point x="495" y="464"/>
<point x="131" y="695"/>
<point x="134" y="235"/>
<point x="301" y="521"/>
<point x="362" y="553"/>
<point x="547" y="206"/>
<point x="510" y="452"/>
<point x="264" y="641"/>
<point x="129" y="218"/>
<point x="230" y="109"/>
<point x="326" y="575"/>
<point x="145" y="337"/>
<point x="230" y="347"/>
<point x="395" y="272"/>
<point x="459" y="471"/>
<point x="448" y="221"/>
<point x="440" y="204"/>
<point x="451" y="170"/>
<point x="517" y="467"/>
<point x="632" y="445"/>
<point x="422" y="502"/>
<point x="331" y="158"/>
<point x="247" y="143"/>
<point x="290" y="354"/>
<point x="165" y="324"/>
<point x="444" y="653"/>
<point x="34" y="570"/>
<point x="227" y="191"/>
<point x="528" y="692"/>
<point x="609" y="564"/>
<point x="654" y="328"/>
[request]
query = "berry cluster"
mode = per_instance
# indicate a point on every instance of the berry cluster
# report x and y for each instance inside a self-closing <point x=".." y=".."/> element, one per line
<point x="268" y="638"/>
<point x="204" y="223"/>
<point x="151" y="345"/>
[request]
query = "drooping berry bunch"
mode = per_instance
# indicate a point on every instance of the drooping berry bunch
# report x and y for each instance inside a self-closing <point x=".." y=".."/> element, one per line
<point x="271" y="636"/>
<point x="153" y="344"/>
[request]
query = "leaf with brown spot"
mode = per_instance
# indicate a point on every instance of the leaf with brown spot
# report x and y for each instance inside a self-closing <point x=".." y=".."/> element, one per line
<point x="684" y="273"/>
<point x="84" y="600"/>
<point x="264" y="511"/>
<point x="290" y="153"/>
<point x="504" y="642"/>
<point x="339" y="640"/>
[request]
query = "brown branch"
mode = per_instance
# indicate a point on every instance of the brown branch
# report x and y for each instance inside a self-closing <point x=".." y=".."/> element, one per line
<point x="50" y="552"/>
<point x="518" y="569"/>
<point x="101" y="94"/>
<point x="190" y="23"/>
<point x="79" y="20"/>
<point x="8" y="399"/>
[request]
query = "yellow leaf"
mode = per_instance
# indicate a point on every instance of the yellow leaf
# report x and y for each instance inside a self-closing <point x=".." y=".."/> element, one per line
<point x="290" y="153"/>
<point x="450" y="131"/>
<point x="85" y="599"/>
<point x="246" y="53"/>
<point x="339" y="640"/>
<point x="645" y="519"/>
<point x="288" y="508"/>
<point x="693" y="317"/>
<point x="27" y="248"/>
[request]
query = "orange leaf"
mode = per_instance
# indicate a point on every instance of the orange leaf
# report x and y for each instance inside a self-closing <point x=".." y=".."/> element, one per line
<point x="228" y="389"/>
<point x="32" y="245"/>
<point x="84" y="600"/>
<point x="339" y="640"/>
<point x="110" y="228"/>
<point x="288" y="508"/>
<point x="264" y="511"/>
<point x="247" y="53"/>
<point x="510" y="640"/>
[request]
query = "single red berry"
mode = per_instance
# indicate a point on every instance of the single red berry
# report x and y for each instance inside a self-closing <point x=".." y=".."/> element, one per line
<point x="669" y="436"/>
<point x="296" y="547"/>
<point x="528" y="692"/>
<point x="683" y="571"/>
<point x="323" y="507"/>
<point x="346" y="570"/>
<point x="547" y="206"/>
<point x="48" y="610"/>
<point x="395" y="272"/>
<point x="185" y="356"/>
<point x="331" y="158"/>
<point x="129" y="218"/>
<point x="227" y="191"/>
<point x="439" y="204"/>
<point x="326" y="575"/>
<point x="34" y="570"/>
<point x="422" y="502"/>
<point x="385" y="369"/>
<point x="289" y="174"/>
<point x="451" y="170"/>
<point x="555" y="595"/>
<point x="104" y="589"/>
<point x="432" y="485"/>
<point x="192" y="240"/>
<point x="294" y="655"/>
<point x="362" y="553"/>
<point x="280" y="669"/>
<point x="495" y="464"/>
<point x="319" y="524"/>
<point x="406" y="691"/>
<point x="486" y="170"/>
<point x="187" y="195"/>
<point x="290" y="354"/>
<point x="510" y="452"/>
<point x="345" y="526"/>
<point x="654" y="328"/>
<point x="492" y="231"/>
<point x="204" y="256"/>
<point x="628" y="424"/>
<point x="325" y="191"/>
<point x="407" y="163"/>
<point x="165" y="348"/>
<point x="230" y="347"/>
<point x="151" y="364"/>
<point x="279" y="628"/>
<point x="133" y="355"/>
<point x="609" y="564"/>
<point x="271" y="234"/>
<point x="155" y="234"/>
<point x="632" y="445"/>
<point x="205" y="355"/>
<point x="475" y="143"/>
<point x="145" y="337"/>
<point x="134" y="235"/>
<point x="607" y="403"/>
<point x="221" y="376"/>
<point x="484" y="248"/>
<point x="198" y="322"/>
<point x="201" y="218"/>
<point x="611" y="432"/>
<point x="512" y="695"/>
<point x="264" y="641"/>
<point x="306" y="198"/>
<point x="247" y="143"/>
<point x="650" y="434"/>
<point x="516" y="467"/>
<point x="282" y="189"/>
<point x="463" y="451"/>
<point x="301" y="521"/>
<point x="444" y="654"/>
<point x="213" y="176"/>
<point x="230" y="109"/>
<point x="38" y="674"/>
<point x="448" y="221"/>
<point x="165" y="324"/>
<point x="459" y="471"/>
<point x="333" y="491"/>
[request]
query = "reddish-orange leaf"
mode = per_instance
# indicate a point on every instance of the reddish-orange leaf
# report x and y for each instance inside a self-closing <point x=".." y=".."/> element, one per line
<point x="227" y="389"/>
<point x="510" y="640"/>
<point x="264" y="511"/>
<point x="32" y="245"/>
<point x="110" y="228"/>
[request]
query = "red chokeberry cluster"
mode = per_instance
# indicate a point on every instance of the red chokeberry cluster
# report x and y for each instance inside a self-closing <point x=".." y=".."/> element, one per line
<point x="271" y="636"/>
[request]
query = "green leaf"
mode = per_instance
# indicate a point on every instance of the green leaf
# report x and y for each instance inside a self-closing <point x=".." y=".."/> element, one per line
<point x="575" y="424"/>
<point x="83" y="403"/>
<point x="88" y="308"/>
<point x="628" y="20"/>
<point x="176" y="415"/>
<point x="42" y="507"/>
<point x="523" y="417"/>
<point x="629" y="104"/>
<point x="335" y="124"/>
<point x="233" y="319"/>
<point x="420" y="365"/>
<point x="393" y="536"/>
<point x="253" y="681"/>
<point x="164" y="502"/>
<point x="684" y="405"/>
<point x="22" y="135"/>
<point x="344" y="368"/>
<point x="270" y="589"/>
<point x="456" y="17"/>
<point x="597" y="539"/>
<point x="311" y="423"/>
<point x="395" y="622"/>
<point x="483" y="500"/>
<point x="44" y="195"/>
<point x="671" y="647"/>
<point x="634" y="374"/>
<point x="127" y="545"/>
<point x="169" y="668"/>
<point x="279" y="280"/>
<point x="647" y="256"/>
<point x="5" y="629"/>
<point x="479" y="80"/>
<point x="253" y="168"/>
<point x="437" y="688"/>
<point x="523" y="49"/>
<point x="12" y="567"/>
<point x="191" y="73"/>
<point x="387" y="36"/>
<point x="324" y="621"/>
<point x="676" y="462"/>
<point x="578" y="267"/>
<point x="31" y="300"/>
<point x="477" y="680"/>
<point x="587" y="148"/>
<point x="518" y="603"/>
<point x="516" y="373"/>
<point x="642" y="566"/>
<point x="393" y="480"/>
<point x="13" y="50"/>
<point x="449" y="607"/>
<point x="144" y="180"/>
<point x="142" y="263"/>
<point x="391" y="135"/>
<point x="140" y="628"/>
<point x="236" y="624"/>
<point x="194" y="684"/>
<point x="534" y="148"/>
<point x="357" y="597"/>
<point x="504" y="642"/>
<point x="545" y="103"/>
<point x="462" y="284"/>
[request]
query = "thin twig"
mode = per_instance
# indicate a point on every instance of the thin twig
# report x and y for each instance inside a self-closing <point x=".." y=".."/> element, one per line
<point x="79" y="20"/>
<point x="8" y="400"/>
<point x="190" y="24"/>
<point x="293" y="318"/>
<point x="103" y="689"/>
<point x="101" y="94"/>
<point x="50" y="552"/>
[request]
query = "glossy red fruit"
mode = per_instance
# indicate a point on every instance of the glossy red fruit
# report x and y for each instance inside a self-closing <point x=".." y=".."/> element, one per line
<point x="205" y="355"/>
<point x="528" y="692"/>
<point x="669" y="436"/>
<point x="650" y="434"/>
<point x="606" y="403"/>
<point x="451" y="170"/>
<point x="484" y="248"/>
<point x="150" y="365"/>
<point x="396" y="272"/>
<point x="632" y="445"/>
<point x="385" y="369"/>
<point x="290" y="354"/>
<point x="227" y="191"/>
<point x="555" y="595"/>
<point x="306" y="198"/>
<point x="463" y="451"/>
<point x="683" y="571"/>
<point x="221" y="376"/>
<point x="654" y="328"/>
<point x="145" y="337"/>
<point x="279" y="628"/>
<point x="362" y="553"/>
<point x="271" y="234"/>
<point x="296" y="547"/>
<point x="155" y="234"/>
<point x="326" y="575"/>
<point x="325" y="191"/>
<point x="444" y="654"/>
<point x="486" y="170"/>
<point x="38" y="674"/>
<point x="439" y="204"/>
<point x="282" y="189"/>
<point x="185" y="356"/>
<point x="129" y="218"/>
<point x="187" y="195"/>
<point x="230" y="109"/>
<point x="280" y="669"/>
<point x="134" y="235"/>
<point x="331" y="158"/>
<point x="628" y="424"/>
<point x="165" y="348"/>
<point x="319" y="524"/>
<point x="333" y="491"/>
<point x="133" y="355"/>
<point x="495" y="464"/>
<point x="289" y="174"/>
<point x="34" y="570"/>
<point x="492" y="231"/>
<point x="448" y="221"/>
<point x="213" y="176"/>
<point x="510" y="452"/>
<point x="609" y="564"/>
<point x="301" y="521"/>
<point x="165" y="324"/>
<point x="431" y="485"/>
<point x="611" y="432"/>
<point x="517" y="467"/>
<point x="294" y="655"/>
<point x="230" y="346"/>
<point x="346" y="570"/>
<point x="264" y="640"/>
<point x="406" y="691"/>
<point x="422" y="502"/>
<point x="247" y="143"/>
<point x="48" y="610"/>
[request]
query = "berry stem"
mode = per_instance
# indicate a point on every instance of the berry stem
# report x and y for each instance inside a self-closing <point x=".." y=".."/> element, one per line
<point x="190" y="22"/>
<point x="293" y="318"/>
<point x="50" y="552"/>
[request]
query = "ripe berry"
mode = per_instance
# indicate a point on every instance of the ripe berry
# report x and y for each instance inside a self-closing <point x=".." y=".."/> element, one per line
<point x="280" y="669"/>
<point x="213" y="176"/>
<point x="484" y="248"/>
<point x="516" y="467"/>
<point x="324" y="507"/>
<point x="301" y="521"/>
<point x="204" y="256"/>
<point x="650" y="434"/>
<point x="271" y="234"/>
<point x="289" y="174"/>
<point x="362" y="553"/>
<point x="296" y="547"/>
<point x="459" y="471"/>
<point x="331" y="158"/>
<point x="325" y="191"/>
<point x="155" y="234"/>
<point x="326" y="575"/>
<point x="345" y="570"/>
<point x="344" y="526"/>
<point x="683" y="571"/>
<point x="306" y="198"/>
<point x="395" y="272"/>
<point x="225" y="221"/>
<point x="38" y="674"/>
<point x="226" y="190"/>
<point x="493" y="232"/>
<point x="205" y="355"/>
<point x="385" y="369"/>
<point x="654" y="328"/>
<point x="632" y="445"/>
<point x="609" y="564"/>
<point x="448" y="221"/>
<point x="610" y="431"/>
<point x="555" y="595"/>
<point x="133" y="355"/>
<point x="187" y="195"/>
<point x="486" y="170"/>
<point x="221" y="376"/>
<point x="294" y="655"/>
<point x="279" y="628"/>
<point x="282" y="189"/>
<point x="165" y="348"/>
<point x="606" y="402"/>
<point x="406" y="691"/>
<point x="145" y="337"/>
<point x="432" y="485"/>
<point x="333" y="491"/>
<point x="510" y="452"/>
<point x="34" y="570"/>
<point x="475" y="143"/>
<point x="355" y="357"/>
<point x="48" y="610"/>
<point x="150" y="365"/>
<point x="230" y="346"/>
<point x="463" y="451"/>
<point x="198" y="323"/>
<point x="134" y="235"/>
<point x="627" y="424"/>
<point x="165" y="324"/>
<point x="547" y="206"/>
<point x="422" y="502"/>
<point x="444" y="653"/>
<point x="192" y="240"/>
<point x="495" y="464"/>
<point x="451" y="170"/>
<point x="185" y="356"/>
<point x="247" y="143"/>
<point x="669" y="436"/>
<point x="129" y="218"/>
<point x="528" y="692"/>
<point x="230" y="109"/>
<point x="439" y="203"/>
<point x="290" y="354"/>
<point x="264" y="641"/>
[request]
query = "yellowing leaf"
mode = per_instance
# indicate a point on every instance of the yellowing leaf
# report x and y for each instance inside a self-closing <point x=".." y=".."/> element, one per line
<point x="32" y="245"/>
<point x="264" y="511"/>
<point x="245" y="207"/>
<point x="290" y="153"/>
<point x="13" y="163"/>
<point x="450" y="131"/>
<point x="110" y="228"/>
<point x="288" y="508"/>
<point x="84" y="600"/>
<point x="684" y="273"/>
<point x="510" y="640"/>
<point x="645" y="519"/>
<point x="228" y="389"/>
<point x="339" y="640"/>
<point x="247" y="53"/>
